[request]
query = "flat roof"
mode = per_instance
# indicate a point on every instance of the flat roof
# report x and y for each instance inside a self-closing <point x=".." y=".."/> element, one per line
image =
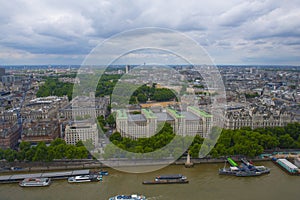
<point x="136" y="118"/>
<point x="200" y="112"/>
<point x="175" y="113"/>
<point x="148" y="113"/>
<point x="190" y="116"/>
<point x="121" y="114"/>
<point x="162" y="116"/>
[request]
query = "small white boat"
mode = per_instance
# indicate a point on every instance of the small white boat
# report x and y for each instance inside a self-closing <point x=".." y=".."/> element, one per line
<point x="35" y="182"/>
<point x="128" y="197"/>
<point x="84" y="178"/>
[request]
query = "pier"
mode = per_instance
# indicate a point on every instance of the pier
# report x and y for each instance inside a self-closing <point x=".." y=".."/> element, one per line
<point x="53" y="175"/>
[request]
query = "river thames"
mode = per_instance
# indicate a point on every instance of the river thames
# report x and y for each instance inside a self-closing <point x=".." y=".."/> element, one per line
<point x="204" y="183"/>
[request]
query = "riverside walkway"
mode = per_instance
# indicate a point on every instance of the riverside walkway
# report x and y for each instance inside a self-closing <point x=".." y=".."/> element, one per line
<point x="53" y="175"/>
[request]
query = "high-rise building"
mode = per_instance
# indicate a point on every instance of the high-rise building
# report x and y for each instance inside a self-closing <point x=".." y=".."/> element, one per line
<point x="2" y="73"/>
<point x="127" y="69"/>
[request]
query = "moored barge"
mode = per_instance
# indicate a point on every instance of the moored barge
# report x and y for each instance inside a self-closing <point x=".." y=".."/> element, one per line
<point x="168" y="179"/>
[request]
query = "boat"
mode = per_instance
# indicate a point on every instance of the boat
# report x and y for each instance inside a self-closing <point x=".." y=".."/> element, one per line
<point x="289" y="167"/>
<point x="244" y="170"/>
<point x="297" y="161"/>
<point x="128" y="197"/>
<point x="251" y="167"/>
<point x="168" y="179"/>
<point x="83" y="178"/>
<point x="35" y="182"/>
<point x="229" y="171"/>
<point x="247" y="173"/>
<point x="103" y="173"/>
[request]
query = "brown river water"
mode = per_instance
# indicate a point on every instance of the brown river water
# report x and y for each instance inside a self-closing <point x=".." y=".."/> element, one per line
<point x="204" y="183"/>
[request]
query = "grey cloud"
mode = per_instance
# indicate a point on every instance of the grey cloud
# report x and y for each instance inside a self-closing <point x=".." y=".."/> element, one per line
<point x="246" y="11"/>
<point x="224" y="27"/>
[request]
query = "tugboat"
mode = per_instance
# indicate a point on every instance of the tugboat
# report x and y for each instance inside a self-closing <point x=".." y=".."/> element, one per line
<point x="128" y="197"/>
<point x="35" y="182"/>
<point x="168" y="179"/>
<point x="84" y="178"/>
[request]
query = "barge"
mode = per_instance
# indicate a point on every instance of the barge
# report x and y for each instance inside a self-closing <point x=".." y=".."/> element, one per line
<point x="288" y="167"/>
<point x="168" y="179"/>
<point x="128" y="197"/>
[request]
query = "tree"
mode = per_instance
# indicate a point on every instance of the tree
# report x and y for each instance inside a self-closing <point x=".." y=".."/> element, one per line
<point x="24" y="146"/>
<point x="111" y="120"/>
<point x="142" y="98"/>
<point x="286" y="141"/>
<point x="71" y="152"/>
<point x="41" y="153"/>
<point x="194" y="150"/>
<point x="81" y="152"/>
<point x="79" y="144"/>
<point x="57" y="142"/>
<point x="30" y="154"/>
<point x="10" y="155"/>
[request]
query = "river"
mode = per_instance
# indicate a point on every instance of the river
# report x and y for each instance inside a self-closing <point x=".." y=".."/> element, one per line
<point x="205" y="183"/>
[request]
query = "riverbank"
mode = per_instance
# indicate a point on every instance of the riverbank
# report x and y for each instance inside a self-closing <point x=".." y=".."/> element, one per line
<point x="19" y="166"/>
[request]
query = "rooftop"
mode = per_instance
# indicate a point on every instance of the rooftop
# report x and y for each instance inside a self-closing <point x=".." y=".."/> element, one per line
<point x="175" y="113"/>
<point x="121" y="114"/>
<point x="200" y="112"/>
<point x="148" y="113"/>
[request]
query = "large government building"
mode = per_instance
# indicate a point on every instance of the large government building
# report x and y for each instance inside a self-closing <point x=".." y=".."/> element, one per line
<point x="190" y="122"/>
<point x="81" y="131"/>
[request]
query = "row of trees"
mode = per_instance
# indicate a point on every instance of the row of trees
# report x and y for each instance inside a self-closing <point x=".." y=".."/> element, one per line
<point x="144" y="145"/>
<point x="106" y="86"/>
<point x="55" y="87"/>
<point x="143" y="93"/>
<point x="251" y="142"/>
<point x="164" y="144"/>
<point x="58" y="149"/>
<point x="243" y="141"/>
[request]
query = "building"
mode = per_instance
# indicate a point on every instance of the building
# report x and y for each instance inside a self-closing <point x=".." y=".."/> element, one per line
<point x="9" y="135"/>
<point x="127" y="69"/>
<point x="81" y="131"/>
<point x="44" y="107"/>
<point x="190" y="122"/>
<point x="85" y="107"/>
<point x="8" y="79"/>
<point x="41" y="130"/>
<point x="2" y="73"/>
<point x="257" y="118"/>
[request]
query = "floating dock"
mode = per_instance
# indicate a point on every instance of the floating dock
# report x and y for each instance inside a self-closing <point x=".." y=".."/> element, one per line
<point x="53" y="175"/>
<point x="287" y="166"/>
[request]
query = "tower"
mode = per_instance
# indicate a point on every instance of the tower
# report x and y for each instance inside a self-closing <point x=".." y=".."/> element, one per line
<point x="127" y="69"/>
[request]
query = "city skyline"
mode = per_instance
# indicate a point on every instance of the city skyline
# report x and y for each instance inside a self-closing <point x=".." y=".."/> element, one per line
<point x="232" y="32"/>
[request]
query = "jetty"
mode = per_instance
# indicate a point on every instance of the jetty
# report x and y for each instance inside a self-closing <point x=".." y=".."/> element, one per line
<point x="53" y="175"/>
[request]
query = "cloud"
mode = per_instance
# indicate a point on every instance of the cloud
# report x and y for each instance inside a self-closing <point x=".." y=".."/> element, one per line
<point x="225" y="28"/>
<point x="245" y="12"/>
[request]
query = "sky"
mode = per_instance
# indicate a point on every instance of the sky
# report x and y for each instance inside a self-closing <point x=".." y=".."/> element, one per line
<point x="231" y="32"/>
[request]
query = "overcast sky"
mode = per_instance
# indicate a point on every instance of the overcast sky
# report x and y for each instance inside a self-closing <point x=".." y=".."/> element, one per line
<point x="231" y="31"/>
